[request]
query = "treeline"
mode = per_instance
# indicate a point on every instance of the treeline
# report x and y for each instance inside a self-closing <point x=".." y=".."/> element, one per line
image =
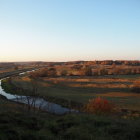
<point x="95" y="62"/>
<point x="116" y="71"/>
<point x="85" y="70"/>
<point x="107" y="62"/>
<point x="44" y="72"/>
<point x="6" y="65"/>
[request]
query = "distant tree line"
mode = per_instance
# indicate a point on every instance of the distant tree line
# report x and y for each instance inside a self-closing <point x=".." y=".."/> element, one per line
<point x="95" y="62"/>
<point x="85" y="70"/>
<point x="106" y="62"/>
<point x="44" y="72"/>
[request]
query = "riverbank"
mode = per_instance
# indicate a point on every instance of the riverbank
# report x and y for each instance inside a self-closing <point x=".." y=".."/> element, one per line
<point x="11" y="88"/>
<point x="15" y="72"/>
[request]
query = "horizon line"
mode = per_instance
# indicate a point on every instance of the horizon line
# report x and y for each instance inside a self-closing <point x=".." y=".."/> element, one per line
<point x="70" y="60"/>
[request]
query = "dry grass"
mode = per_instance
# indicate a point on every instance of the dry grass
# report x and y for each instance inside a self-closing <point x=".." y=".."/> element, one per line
<point x="7" y="70"/>
<point x="90" y="82"/>
<point x="26" y="78"/>
<point x="119" y="94"/>
<point x="99" y="85"/>
<point x="89" y="79"/>
<point x="84" y="88"/>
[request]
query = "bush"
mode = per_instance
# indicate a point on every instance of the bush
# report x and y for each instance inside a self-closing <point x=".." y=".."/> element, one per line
<point x="136" y="87"/>
<point x="64" y="72"/>
<point x="40" y="73"/>
<point x="88" y="71"/>
<point x="99" y="106"/>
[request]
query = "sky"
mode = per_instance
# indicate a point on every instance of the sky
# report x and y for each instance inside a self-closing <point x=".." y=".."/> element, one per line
<point x="68" y="30"/>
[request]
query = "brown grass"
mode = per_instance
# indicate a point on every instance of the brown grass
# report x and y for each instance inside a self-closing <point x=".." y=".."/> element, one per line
<point x="99" y="85"/>
<point x="77" y="79"/>
<point x="119" y="94"/>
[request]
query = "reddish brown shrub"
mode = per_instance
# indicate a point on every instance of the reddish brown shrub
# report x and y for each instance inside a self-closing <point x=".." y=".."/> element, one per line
<point x="99" y="106"/>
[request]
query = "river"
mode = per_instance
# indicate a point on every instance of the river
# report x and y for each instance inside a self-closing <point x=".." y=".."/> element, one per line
<point x="37" y="102"/>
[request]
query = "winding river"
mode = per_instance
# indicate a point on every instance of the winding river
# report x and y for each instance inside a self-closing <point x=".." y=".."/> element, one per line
<point x="36" y="102"/>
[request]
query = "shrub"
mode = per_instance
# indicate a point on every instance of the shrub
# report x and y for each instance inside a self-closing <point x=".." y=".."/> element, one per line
<point x="64" y="72"/>
<point x="40" y="73"/>
<point x="136" y="87"/>
<point x="88" y="71"/>
<point x="99" y="106"/>
<point x="52" y="72"/>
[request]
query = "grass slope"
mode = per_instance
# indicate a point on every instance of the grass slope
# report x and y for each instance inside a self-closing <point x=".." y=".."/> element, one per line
<point x="18" y="124"/>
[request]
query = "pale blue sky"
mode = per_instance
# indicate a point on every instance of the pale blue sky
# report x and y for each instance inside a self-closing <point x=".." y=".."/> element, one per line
<point x="65" y="30"/>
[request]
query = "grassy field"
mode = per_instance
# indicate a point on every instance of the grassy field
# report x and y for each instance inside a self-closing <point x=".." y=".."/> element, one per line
<point x="19" y="124"/>
<point x="80" y="89"/>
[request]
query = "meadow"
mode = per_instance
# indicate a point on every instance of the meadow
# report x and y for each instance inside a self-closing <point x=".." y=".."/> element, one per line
<point x="80" y="90"/>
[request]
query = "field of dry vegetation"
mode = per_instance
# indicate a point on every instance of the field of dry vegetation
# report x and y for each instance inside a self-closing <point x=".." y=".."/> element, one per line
<point x="65" y="82"/>
<point x="107" y="96"/>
